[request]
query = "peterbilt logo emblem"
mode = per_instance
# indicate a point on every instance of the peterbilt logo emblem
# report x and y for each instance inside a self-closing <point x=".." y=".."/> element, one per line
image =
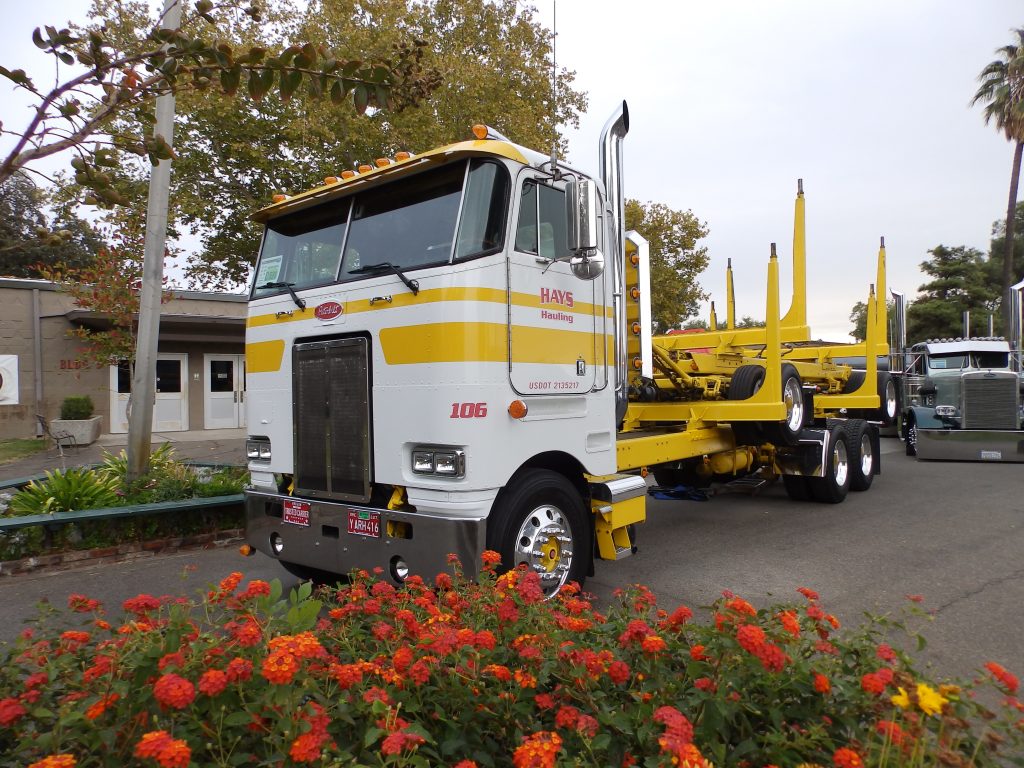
<point x="328" y="310"/>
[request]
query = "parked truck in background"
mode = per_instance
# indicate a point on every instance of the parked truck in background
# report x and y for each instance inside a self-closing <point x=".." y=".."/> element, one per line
<point x="451" y="352"/>
<point x="963" y="396"/>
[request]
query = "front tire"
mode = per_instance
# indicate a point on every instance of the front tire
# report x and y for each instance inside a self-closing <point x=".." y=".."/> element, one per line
<point x="539" y="521"/>
<point x="834" y="484"/>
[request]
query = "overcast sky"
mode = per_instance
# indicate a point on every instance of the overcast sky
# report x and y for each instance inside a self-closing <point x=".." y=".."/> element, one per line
<point x="731" y="102"/>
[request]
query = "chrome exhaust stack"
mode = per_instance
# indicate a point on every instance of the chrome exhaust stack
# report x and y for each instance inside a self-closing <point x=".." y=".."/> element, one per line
<point x="612" y="134"/>
<point x="898" y="347"/>
<point x="1016" y="325"/>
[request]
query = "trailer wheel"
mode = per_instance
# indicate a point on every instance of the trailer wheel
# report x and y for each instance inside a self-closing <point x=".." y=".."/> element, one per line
<point x="746" y="381"/>
<point x="832" y="486"/>
<point x="910" y="435"/>
<point x="788" y="432"/>
<point x="539" y="521"/>
<point x="888" y="399"/>
<point x="797" y="487"/>
<point x="862" y="455"/>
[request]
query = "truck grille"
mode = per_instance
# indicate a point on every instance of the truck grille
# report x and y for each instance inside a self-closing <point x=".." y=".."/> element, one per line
<point x="990" y="401"/>
<point x="332" y="419"/>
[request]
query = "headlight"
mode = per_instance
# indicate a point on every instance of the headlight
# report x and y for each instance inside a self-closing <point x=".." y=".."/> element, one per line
<point x="448" y="462"/>
<point x="257" y="449"/>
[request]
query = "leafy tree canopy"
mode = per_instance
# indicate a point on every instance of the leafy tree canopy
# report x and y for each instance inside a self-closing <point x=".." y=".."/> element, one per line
<point x="111" y="73"/>
<point x="958" y="284"/>
<point x="494" y="65"/>
<point x="30" y="236"/>
<point x="676" y="260"/>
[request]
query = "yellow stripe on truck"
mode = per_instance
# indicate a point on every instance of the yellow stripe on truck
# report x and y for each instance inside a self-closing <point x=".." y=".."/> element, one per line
<point x="429" y="296"/>
<point x="483" y="342"/>
<point x="264" y="356"/>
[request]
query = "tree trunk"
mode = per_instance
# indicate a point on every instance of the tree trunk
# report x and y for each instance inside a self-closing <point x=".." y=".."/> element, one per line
<point x="1011" y="216"/>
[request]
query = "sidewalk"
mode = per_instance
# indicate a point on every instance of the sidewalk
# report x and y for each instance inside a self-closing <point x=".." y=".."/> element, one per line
<point x="217" y="446"/>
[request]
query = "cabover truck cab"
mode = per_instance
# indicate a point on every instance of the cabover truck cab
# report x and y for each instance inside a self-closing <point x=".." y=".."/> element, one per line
<point x="451" y="352"/>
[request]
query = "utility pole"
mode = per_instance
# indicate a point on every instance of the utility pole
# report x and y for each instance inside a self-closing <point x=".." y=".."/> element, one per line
<point x="140" y="419"/>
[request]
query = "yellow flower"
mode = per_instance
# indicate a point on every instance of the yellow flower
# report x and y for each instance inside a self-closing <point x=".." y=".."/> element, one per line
<point x="949" y="690"/>
<point x="901" y="700"/>
<point x="929" y="699"/>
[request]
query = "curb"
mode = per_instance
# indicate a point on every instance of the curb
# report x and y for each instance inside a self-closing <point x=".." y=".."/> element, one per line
<point x="120" y="553"/>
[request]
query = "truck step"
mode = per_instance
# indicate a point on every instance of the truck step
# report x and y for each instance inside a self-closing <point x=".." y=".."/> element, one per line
<point x="749" y="485"/>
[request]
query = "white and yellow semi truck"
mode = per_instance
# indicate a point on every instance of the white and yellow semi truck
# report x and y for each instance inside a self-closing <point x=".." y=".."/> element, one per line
<point x="450" y="352"/>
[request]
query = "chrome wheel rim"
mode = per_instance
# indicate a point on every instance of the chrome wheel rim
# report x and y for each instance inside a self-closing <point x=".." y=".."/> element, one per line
<point x="867" y="458"/>
<point x="890" y="399"/>
<point x="841" y="463"/>
<point x="794" y="399"/>
<point x="544" y="544"/>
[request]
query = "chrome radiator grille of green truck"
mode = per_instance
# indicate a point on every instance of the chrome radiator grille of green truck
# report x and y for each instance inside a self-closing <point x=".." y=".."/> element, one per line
<point x="990" y="401"/>
<point x="331" y="381"/>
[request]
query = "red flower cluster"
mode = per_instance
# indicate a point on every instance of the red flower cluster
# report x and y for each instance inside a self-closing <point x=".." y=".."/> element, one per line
<point x="1007" y="679"/>
<point x="754" y="641"/>
<point x="83" y="604"/>
<point x="877" y="682"/>
<point x="539" y="750"/>
<point x="309" y="745"/>
<point x="844" y="757"/>
<point x="174" y="691"/>
<point x="167" y="751"/>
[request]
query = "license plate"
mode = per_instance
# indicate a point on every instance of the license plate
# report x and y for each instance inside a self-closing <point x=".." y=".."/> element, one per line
<point x="296" y="512"/>
<point x="364" y="523"/>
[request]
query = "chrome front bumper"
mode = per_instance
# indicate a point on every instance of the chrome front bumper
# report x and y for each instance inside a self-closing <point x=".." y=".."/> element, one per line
<point x="970" y="445"/>
<point x="423" y="541"/>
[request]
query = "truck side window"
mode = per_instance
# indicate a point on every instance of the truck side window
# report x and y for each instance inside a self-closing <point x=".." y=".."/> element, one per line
<point x="542" y="225"/>
<point x="484" y="210"/>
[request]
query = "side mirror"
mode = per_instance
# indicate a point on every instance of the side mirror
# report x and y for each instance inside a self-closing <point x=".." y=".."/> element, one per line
<point x="582" y="203"/>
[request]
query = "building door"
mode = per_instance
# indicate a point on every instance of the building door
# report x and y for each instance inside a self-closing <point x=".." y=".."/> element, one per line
<point x="170" y="409"/>
<point x="224" y="398"/>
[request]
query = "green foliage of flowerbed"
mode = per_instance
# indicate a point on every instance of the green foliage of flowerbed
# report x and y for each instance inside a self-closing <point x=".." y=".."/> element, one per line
<point x="104" y="486"/>
<point x="483" y="674"/>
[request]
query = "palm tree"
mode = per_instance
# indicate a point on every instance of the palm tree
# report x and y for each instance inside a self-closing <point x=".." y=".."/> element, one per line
<point x="1002" y="94"/>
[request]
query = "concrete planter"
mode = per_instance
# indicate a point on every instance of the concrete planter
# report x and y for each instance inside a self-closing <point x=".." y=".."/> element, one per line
<point x="85" y="431"/>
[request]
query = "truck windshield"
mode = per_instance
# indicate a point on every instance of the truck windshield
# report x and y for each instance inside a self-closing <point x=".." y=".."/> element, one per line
<point x="991" y="359"/>
<point x="410" y="223"/>
<point x="948" y="362"/>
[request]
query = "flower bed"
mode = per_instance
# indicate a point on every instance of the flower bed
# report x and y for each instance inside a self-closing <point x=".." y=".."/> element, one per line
<point x="485" y="674"/>
<point x="106" y="486"/>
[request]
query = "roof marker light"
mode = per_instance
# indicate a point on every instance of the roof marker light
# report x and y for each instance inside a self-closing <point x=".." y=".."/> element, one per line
<point x="382" y="162"/>
<point x="347" y="174"/>
<point x="480" y="131"/>
<point x="364" y="168"/>
<point x="331" y="180"/>
<point x="400" y="156"/>
<point x="279" y="198"/>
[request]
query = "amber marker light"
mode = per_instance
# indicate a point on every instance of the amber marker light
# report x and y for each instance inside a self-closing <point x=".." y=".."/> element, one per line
<point x="364" y="168"/>
<point x="634" y="293"/>
<point x="400" y="156"/>
<point x="480" y="131"/>
<point x="517" y="409"/>
<point x="644" y="472"/>
<point x="382" y="162"/>
<point x="638" y="363"/>
<point x="636" y="328"/>
<point x="279" y="198"/>
<point x="245" y="550"/>
<point x="331" y="180"/>
<point x="347" y="174"/>
<point x="634" y="259"/>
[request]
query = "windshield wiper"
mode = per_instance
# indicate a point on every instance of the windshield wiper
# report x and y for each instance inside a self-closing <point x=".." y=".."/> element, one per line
<point x="300" y="303"/>
<point x="413" y="285"/>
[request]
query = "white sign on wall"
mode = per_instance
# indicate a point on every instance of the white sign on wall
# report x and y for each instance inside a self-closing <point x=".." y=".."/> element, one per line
<point x="8" y="379"/>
